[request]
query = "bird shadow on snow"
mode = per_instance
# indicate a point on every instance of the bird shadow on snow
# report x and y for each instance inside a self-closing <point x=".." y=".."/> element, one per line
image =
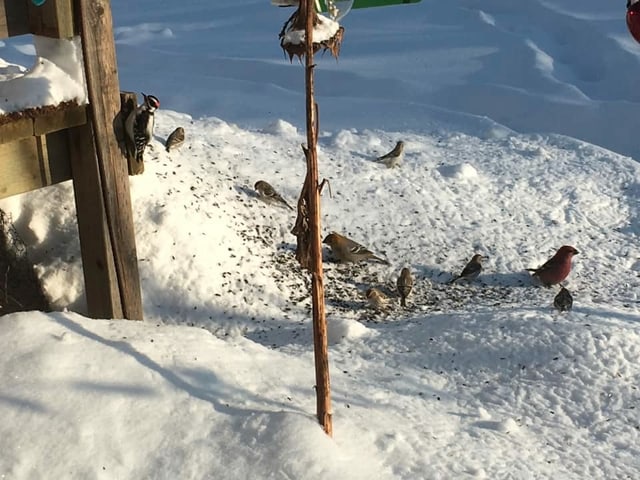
<point x="605" y="314"/>
<point x="511" y="279"/>
<point x="246" y="190"/>
<point x="202" y="384"/>
<point x="22" y="403"/>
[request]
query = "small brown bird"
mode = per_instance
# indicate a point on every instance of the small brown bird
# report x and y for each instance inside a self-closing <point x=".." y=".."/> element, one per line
<point x="175" y="139"/>
<point x="472" y="269"/>
<point x="557" y="268"/>
<point x="376" y="298"/>
<point x="268" y="194"/>
<point x="346" y="250"/>
<point x="563" y="301"/>
<point x="394" y="157"/>
<point x="405" y="285"/>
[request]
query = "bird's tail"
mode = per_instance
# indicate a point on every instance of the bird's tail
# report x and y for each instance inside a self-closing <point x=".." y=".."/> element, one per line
<point x="381" y="260"/>
<point x="403" y="301"/>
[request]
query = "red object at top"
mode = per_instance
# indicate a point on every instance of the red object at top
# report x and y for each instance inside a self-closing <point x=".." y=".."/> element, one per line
<point x="633" y="20"/>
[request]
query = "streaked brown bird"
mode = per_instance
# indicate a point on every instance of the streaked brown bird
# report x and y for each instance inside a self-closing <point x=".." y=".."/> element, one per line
<point x="175" y="139"/>
<point x="268" y="193"/>
<point x="394" y="157"/>
<point x="471" y="269"/>
<point x="563" y="301"/>
<point x="377" y="299"/>
<point x="405" y="285"/>
<point x="346" y="250"/>
<point x="557" y="268"/>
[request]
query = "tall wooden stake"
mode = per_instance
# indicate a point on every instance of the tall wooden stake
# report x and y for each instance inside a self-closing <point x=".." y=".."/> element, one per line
<point x="104" y="100"/>
<point x="323" y="388"/>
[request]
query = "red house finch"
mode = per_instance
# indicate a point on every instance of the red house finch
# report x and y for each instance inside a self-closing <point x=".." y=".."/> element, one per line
<point x="268" y="194"/>
<point x="471" y="270"/>
<point x="557" y="268"/>
<point x="563" y="301"/>
<point x="404" y="284"/>
<point x="346" y="250"/>
<point x="394" y="157"/>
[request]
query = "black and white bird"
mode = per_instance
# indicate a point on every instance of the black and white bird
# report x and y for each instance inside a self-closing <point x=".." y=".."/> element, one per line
<point x="139" y="125"/>
<point x="268" y="193"/>
<point x="563" y="301"/>
<point x="175" y="139"/>
<point x="405" y="285"/>
<point x="471" y="269"/>
<point x="394" y="157"/>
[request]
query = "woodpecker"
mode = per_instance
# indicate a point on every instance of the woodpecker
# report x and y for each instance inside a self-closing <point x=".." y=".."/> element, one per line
<point x="139" y="124"/>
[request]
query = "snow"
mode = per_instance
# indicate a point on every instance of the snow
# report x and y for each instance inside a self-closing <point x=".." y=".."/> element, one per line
<point x="519" y="128"/>
<point x="323" y="31"/>
<point x="56" y="75"/>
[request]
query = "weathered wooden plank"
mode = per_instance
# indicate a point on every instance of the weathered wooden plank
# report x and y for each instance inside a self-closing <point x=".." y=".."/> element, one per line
<point x="52" y="19"/>
<point x="16" y="130"/>
<point x="100" y="280"/>
<point x="43" y="160"/>
<point x="104" y="97"/>
<point x="42" y="121"/>
<point x="58" y="157"/>
<point x="32" y="163"/>
<point x="20" y="166"/>
<point x="13" y="18"/>
<point x="71" y="116"/>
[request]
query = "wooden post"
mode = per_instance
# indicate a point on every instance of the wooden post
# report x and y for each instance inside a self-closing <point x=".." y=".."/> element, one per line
<point x="53" y="19"/>
<point x="320" y="340"/>
<point x="14" y="18"/>
<point x="104" y="97"/>
<point x="100" y="280"/>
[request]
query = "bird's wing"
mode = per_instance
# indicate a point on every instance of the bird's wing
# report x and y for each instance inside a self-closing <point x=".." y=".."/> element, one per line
<point x="356" y="248"/>
<point x="471" y="268"/>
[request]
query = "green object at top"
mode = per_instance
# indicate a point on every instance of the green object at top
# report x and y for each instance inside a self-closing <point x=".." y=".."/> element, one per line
<point x="369" y="3"/>
<point x="380" y="3"/>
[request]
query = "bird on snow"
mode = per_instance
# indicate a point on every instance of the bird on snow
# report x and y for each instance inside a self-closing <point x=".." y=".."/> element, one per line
<point x="405" y="285"/>
<point x="563" y="301"/>
<point x="376" y="298"/>
<point x="175" y="139"/>
<point x="557" y="268"/>
<point x="346" y="250"/>
<point x="268" y="193"/>
<point x="471" y="269"/>
<point x="394" y="157"/>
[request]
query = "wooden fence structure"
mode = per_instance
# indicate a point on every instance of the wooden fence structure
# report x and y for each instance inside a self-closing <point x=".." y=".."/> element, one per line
<point x="84" y="143"/>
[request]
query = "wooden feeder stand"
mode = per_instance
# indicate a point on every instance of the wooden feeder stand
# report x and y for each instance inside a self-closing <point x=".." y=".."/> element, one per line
<point x="50" y="144"/>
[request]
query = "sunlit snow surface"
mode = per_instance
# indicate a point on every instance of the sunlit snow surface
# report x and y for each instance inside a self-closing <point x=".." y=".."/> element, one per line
<point x="51" y="75"/>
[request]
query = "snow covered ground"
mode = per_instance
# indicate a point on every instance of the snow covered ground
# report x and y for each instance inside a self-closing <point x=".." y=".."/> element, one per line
<point x="479" y="380"/>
